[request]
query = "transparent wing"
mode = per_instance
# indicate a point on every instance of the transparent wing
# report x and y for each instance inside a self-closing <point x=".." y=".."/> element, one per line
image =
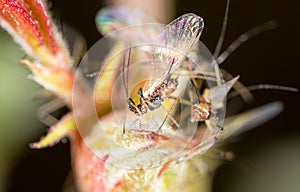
<point x="177" y="39"/>
<point x="173" y="45"/>
<point x="218" y="93"/>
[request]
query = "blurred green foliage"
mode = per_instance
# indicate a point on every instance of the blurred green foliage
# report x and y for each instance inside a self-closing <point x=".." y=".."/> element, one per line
<point x="18" y="119"/>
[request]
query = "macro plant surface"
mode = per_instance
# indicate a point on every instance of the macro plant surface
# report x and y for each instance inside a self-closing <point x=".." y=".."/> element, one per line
<point x="96" y="166"/>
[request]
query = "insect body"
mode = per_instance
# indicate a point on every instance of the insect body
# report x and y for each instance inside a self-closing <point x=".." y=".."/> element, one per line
<point x="153" y="100"/>
<point x="200" y="111"/>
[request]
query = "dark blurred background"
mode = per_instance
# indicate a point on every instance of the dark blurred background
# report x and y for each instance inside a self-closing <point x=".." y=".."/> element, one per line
<point x="267" y="157"/>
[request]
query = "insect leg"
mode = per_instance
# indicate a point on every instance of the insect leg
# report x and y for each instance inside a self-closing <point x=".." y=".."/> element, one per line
<point x="130" y="102"/>
<point x="45" y="110"/>
<point x="169" y="115"/>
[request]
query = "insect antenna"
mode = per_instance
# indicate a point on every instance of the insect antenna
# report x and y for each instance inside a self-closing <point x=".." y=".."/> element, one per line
<point x="125" y="81"/>
<point x="220" y="43"/>
<point x="223" y="31"/>
<point x="220" y="58"/>
<point x="245" y="37"/>
<point x="261" y="87"/>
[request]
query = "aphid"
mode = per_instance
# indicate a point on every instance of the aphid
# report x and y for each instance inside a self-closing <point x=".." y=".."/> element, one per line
<point x="153" y="99"/>
<point x="181" y="35"/>
<point x="201" y="110"/>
